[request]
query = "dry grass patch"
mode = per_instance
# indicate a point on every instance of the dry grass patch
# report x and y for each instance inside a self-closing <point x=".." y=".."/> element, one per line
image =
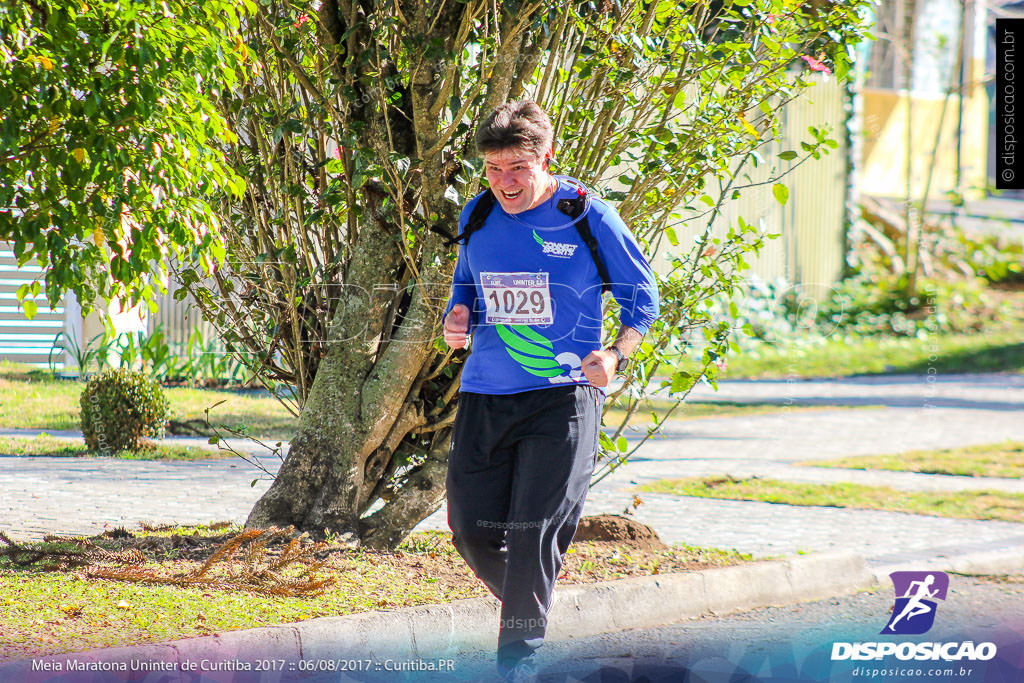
<point x="151" y="586"/>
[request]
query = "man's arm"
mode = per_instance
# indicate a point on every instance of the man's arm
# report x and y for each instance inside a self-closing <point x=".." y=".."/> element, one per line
<point x="456" y="327"/>
<point x="627" y="340"/>
<point x="633" y="283"/>
<point x="601" y="365"/>
<point x="634" y="288"/>
<point x="458" y="314"/>
<point x="459" y="317"/>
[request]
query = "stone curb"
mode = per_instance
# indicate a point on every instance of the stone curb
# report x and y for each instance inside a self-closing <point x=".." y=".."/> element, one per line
<point x="980" y="562"/>
<point x="434" y="631"/>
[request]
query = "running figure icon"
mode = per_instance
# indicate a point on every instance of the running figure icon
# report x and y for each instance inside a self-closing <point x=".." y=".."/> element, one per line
<point x="916" y="593"/>
<point x="915" y="606"/>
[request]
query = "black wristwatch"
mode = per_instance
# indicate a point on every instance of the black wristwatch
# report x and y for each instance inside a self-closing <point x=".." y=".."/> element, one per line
<point x="623" y="359"/>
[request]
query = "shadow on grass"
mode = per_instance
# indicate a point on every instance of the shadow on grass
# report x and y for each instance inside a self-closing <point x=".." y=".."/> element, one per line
<point x="998" y="358"/>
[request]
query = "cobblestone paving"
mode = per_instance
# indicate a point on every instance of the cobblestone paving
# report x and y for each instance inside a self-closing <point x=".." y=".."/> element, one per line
<point x="60" y="495"/>
<point x="989" y="391"/>
<point x="82" y="495"/>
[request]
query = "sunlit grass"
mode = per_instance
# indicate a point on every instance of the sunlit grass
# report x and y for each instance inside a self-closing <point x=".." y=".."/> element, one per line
<point x="993" y="351"/>
<point x="998" y="505"/>
<point x="36" y="400"/>
<point x="45" y="445"/>
<point x="988" y="460"/>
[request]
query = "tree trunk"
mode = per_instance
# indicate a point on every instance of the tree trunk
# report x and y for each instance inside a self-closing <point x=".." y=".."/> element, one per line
<point x="373" y="427"/>
<point x="364" y="402"/>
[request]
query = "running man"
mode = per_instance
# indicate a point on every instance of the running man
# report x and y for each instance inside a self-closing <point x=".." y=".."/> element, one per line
<point x="915" y="606"/>
<point x="528" y="288"/>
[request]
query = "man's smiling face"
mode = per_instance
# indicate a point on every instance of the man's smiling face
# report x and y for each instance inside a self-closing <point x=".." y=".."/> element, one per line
<point x="518" y="178"/>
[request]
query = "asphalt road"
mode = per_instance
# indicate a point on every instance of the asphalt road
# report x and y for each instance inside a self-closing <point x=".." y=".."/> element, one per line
<point x="794" y="643"/>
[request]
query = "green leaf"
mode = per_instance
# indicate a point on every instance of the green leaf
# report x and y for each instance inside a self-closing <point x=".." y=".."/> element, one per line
<point x="680" y="381"/>
<point x="781" y="192"/>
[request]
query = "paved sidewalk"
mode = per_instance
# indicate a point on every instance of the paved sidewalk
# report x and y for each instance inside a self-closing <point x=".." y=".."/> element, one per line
<point x="58" y="495"/>
<point x="988" y="392"/>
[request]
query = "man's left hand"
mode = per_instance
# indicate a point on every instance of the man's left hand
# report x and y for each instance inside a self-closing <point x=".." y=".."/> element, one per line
<point x="599" y="367"/>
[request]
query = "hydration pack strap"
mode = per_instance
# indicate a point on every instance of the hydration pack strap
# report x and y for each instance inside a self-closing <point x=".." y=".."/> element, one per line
<point x="573" y="208"/>
<point x="477" y="218"/>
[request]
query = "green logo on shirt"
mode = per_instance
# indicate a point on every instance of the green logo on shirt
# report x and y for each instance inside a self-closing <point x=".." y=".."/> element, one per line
<point x="536" y="354"/>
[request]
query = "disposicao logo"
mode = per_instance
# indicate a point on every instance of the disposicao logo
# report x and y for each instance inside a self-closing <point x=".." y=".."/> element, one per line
<point x="913" y="613"/>
<point x="916" y="593"/>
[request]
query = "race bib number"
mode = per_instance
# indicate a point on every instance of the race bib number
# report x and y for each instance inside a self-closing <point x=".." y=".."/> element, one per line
<point x="517" y="298"/>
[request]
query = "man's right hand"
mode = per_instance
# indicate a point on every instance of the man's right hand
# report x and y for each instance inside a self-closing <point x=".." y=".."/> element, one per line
<point x="456" y="327"/>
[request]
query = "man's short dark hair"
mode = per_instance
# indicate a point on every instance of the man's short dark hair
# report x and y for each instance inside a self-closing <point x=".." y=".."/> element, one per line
<point x="521" y="124"/>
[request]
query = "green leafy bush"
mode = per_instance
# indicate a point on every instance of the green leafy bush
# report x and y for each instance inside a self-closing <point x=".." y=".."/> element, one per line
<point x="147" y="351"/>
<point x="869" y="303"/>
<point x="766" y="311"/>
<point x="95" y="351"/>
<point x="997" y="260"/>
<point x="873" y="303"/>
<point x="120" y="408"/>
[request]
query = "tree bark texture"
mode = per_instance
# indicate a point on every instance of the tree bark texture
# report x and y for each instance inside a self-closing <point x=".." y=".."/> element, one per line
<point x="377" y="419"/>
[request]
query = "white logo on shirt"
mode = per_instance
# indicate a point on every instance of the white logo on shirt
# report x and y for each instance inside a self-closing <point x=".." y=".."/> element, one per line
<point x="559" y="249"/>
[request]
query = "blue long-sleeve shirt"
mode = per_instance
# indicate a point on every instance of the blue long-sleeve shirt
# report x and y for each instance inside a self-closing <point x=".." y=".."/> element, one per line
<point x="534" y="293"/>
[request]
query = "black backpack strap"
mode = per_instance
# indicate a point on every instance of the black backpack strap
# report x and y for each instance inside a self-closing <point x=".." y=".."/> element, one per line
<point x="571" y="207"/>
<point x="477" y="218"/>
<point x="574" y="208"/>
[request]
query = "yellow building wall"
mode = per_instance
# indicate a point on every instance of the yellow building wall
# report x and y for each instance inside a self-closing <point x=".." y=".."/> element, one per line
<point x="884" y="131"/>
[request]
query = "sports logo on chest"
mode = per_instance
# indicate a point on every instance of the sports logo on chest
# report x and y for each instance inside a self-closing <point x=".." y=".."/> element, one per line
<point x="559" y="249"/>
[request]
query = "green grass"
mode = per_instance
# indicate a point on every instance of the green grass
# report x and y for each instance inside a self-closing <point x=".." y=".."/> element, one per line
<point x="989" y="460"/>
<point x="995" y="344"/>
<point x="959" y="504"/>
<point x="46" y="445"/>
<point x="59" y="611"/>
<point x="994" y="351"/>
<point x="45" y="612"/>
<point x="35" y="400"/>
<point x="70" y="613"/>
